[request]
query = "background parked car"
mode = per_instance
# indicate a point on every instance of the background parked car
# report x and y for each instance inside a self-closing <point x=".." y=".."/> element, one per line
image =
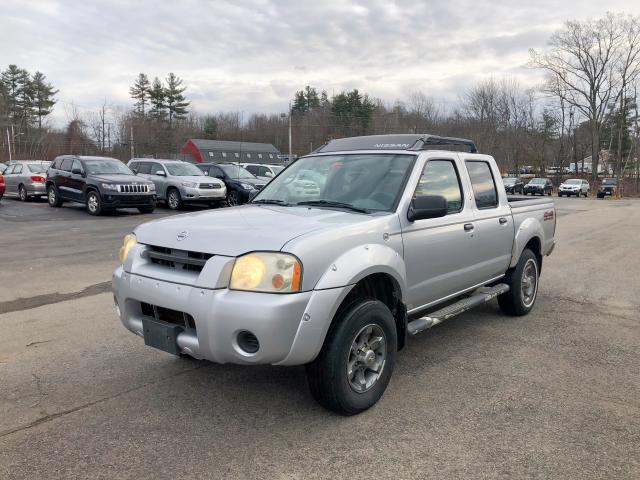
<point x="101" y="183"/>
<point x="25" y="179"/>
<point x="263" y="171"/>
<point x="513" y="184"/>
<point x="180" y="182"/>
<point x="241" y="184"/>
<point x="608" y="187"/>
<point x="539" y="186"/>
<point x="2" y="186"/>
<point x="3" y="167"/>
<point x="574" y="186"/>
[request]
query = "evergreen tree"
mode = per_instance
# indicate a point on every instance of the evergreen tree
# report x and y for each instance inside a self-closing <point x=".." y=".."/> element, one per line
<point x="210" y="128"/>
<point x="175" y="100"/>
<point x="306" y="100"/>
<point x="140" y="93"/>
<point x="16" y="84"/>
<point x="41" y="93"/>
<point x="157" y="100"/>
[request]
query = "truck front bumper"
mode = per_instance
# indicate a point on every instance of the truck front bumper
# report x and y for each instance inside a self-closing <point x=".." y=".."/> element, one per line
<point x="210" y="323"/>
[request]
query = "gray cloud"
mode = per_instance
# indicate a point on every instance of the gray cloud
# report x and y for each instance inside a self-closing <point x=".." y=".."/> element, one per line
<point x="252" y="55"/>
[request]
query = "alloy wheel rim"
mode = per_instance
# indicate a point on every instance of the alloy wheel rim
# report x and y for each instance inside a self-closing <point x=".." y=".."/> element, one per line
<point x="366" y="358"/>
<point x="173" y="200"/>
<point x="233" y="200"/>
<point x="23" y="194"/>
<point x="529" y="284"/>
<point x="52" y="196"/>
<point x="93" y="203"/>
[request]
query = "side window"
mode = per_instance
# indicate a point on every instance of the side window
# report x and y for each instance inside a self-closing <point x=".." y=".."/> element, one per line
<point x="264" y="172"/>
<point x="145" y="167"/>
<point x="251" y="169"/>
<point x="215" y="172"/>
<point x="76" y="164"/>
<point x="66" y="164"/>
<point x="484" y="187"/>
<point x="17" y="168"/>
<point x="154" y="168"/>
<point x="440" y="177"/>
<point x="9" y="169"/>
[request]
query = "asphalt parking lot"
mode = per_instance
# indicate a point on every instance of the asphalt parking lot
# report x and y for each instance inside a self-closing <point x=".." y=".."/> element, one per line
<point x="555" y="394"/>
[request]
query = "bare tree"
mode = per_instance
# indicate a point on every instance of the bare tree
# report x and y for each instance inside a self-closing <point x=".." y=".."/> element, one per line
<point x="582" y="59"/>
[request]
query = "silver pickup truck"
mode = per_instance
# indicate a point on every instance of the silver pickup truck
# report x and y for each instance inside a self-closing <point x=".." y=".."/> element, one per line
<point x="397" y="234"/>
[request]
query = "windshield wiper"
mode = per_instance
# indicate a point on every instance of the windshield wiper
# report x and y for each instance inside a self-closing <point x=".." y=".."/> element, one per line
<point x="329" y="203"/>
<point x="272" y="201"/>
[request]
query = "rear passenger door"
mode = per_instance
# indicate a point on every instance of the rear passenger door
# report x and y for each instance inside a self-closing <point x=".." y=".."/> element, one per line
<point x="493" y="223"/>
<point x="438" y="252"/>
<point x="62" y="178"/>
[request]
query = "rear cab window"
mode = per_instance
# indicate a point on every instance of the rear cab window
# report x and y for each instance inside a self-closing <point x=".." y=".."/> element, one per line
<point x="483" y="183"/>
<point x="66" y="164"/>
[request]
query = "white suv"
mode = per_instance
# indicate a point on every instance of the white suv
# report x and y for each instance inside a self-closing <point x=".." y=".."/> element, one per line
<point x="263" y="171"/>
<point x="574" y="186"/>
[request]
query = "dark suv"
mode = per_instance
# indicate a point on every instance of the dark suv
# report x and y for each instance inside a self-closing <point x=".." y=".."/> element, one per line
<point x="608" y="187"/>
<point x="101" y="183"/>
<point x="241" y="185"/>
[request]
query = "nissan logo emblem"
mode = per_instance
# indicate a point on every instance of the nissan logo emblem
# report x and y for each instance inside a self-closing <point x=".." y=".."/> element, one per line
<point x="182" y="235"/>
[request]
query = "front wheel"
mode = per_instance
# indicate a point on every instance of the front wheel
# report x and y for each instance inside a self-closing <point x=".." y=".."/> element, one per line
<point x="523" y="283"/>
<point x="174" y="201"/>
<point x="355" y="364"/>
<point x="94" y="203"/>
<point x="53" y="198"/>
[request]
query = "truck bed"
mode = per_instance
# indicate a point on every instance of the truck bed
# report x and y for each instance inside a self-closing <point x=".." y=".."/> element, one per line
<point x="526" y="209"/>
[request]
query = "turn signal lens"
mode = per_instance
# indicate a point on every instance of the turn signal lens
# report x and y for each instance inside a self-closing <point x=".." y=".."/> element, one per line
<point x="128" y="243"/>
<point x="267" y="272"/>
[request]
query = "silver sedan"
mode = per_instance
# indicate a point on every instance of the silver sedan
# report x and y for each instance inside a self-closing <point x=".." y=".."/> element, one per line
<point x="26" y="179"/>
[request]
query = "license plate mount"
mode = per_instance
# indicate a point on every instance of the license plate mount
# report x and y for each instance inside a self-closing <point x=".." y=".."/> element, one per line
<point x="161" y="335"/>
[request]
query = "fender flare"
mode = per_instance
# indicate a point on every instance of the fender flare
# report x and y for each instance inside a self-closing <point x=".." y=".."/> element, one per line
<point x="529" y="228"/>
<point x="362" y="261"/>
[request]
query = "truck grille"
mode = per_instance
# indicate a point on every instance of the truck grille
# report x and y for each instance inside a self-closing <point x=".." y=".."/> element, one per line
<point x="133" y="188"/>
<point x="177" y="259"/>
<point x="209" y="186"/>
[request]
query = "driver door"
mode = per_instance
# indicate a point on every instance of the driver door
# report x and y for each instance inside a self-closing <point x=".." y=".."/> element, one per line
<point x="438" y="252"/>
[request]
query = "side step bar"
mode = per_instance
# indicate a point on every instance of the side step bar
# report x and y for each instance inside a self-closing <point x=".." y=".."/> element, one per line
<point x="479" y="296"/>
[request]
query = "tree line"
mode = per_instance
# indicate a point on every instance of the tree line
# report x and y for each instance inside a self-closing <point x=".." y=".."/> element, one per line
<point x="25" y="99"/>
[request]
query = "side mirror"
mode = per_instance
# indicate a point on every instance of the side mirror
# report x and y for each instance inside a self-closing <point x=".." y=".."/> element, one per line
<point x="427" y="206"/>
<point x="135" y="171"/>
<point x="161" y="173"/>
<point x="76" y="171"/>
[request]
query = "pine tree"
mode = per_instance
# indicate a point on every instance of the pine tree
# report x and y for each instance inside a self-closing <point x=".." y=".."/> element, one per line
<point x="41" y="93"/>
<point x="16" y="84"/>
<point x="305" y="100"/>
<point x="210" y="128"/>
<point x="140" y="93"/>
<point x="157" y="100"/>
<point x="175" y="100"/>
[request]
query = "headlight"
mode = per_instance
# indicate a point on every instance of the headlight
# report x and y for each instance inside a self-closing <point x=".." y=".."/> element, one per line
<point x="128" y="243"/>
<point x="189" y="184"/>
<point x="110" y="186"/>
<point x="152" y="187"/>
<point x="247" y="186"/>
<point x="267" y="272"/>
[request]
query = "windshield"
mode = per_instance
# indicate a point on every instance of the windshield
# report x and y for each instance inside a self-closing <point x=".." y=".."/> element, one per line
<point x="509" y="180"/>
<point x="183" y="170"/>
<point x="236" y="171"/>
<point x="366" y="181"/>
<point x="573" y="182"/>
<point x="98" y="167"/>
<point x="38" y="167"/>
<point x="537" y="181"/>
<point x="609" y="181"/>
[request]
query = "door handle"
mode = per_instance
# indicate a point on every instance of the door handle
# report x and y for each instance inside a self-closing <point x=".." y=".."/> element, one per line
<point x="502" y="220"/>
<point x="468" y="227"/>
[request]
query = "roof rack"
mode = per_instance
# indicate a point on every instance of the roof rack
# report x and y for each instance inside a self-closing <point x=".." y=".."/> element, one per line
<point x="412" y="142"/>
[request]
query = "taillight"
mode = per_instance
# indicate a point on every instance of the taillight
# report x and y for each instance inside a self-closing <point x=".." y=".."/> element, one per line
<point x="37" y="179"/>
<point x="1" y="179"/>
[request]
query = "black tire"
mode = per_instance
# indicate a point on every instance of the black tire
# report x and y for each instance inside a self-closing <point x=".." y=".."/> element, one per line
<point x="515" y="301"/>
<point x="174" y="200"/>
<point x="94" y="203"/>
<point x="148" y="209"/>
<point x="559" y="194"/>
<point x="53" y="197"/>
<point x="23" y="194"/>
<point x="233" y="198"/>
<point x="327" y="374"/>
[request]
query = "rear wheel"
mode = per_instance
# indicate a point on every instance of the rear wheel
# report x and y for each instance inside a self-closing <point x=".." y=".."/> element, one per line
<point x="52" y="197"/>
<point x="356" y="362"/>
<point x="22" y="192"/>
<point x="94" y="203"/>
<point x="523" y="283"/>
<point x="174" y="201"/>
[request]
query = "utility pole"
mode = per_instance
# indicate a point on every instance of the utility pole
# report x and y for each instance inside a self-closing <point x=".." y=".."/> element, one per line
<point x="289" y="131"/>
<point x="9" y="144"/>
<point x="131" y="142"/>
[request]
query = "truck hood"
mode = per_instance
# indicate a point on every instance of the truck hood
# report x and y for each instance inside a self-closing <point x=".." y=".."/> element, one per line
<point x="237" y="230"/>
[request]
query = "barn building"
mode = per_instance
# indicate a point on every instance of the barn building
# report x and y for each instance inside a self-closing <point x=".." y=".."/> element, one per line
<point x="200" y="151"/>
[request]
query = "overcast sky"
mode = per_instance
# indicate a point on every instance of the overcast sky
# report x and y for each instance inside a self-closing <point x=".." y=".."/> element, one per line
<point x="252" y="56"/>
